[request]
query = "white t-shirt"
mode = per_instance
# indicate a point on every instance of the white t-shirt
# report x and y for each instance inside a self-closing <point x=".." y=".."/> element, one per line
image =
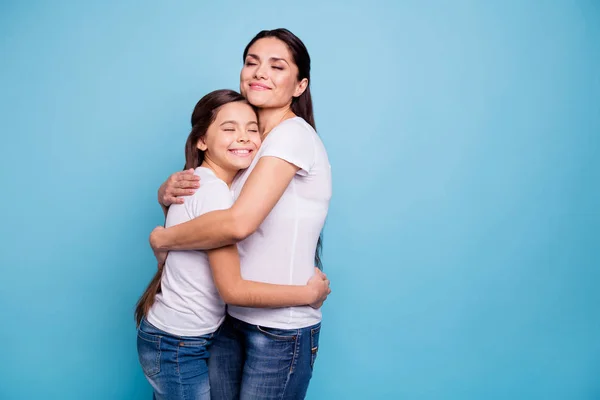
<point x="189" y="304"/>
<point x="282" y="249"/>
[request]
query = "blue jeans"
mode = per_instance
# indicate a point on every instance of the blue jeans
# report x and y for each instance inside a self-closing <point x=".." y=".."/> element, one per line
<point x="250" y="362"/>
<point x="175" y="366"/>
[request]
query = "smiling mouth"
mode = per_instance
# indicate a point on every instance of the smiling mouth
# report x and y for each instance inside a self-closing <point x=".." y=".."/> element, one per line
<point x="255" y="86"/>
<point x="241" y="152"/>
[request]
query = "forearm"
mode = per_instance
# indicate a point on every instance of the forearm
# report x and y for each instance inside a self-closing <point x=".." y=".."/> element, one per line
<point x="264" y="295"/>
<point x="209" y="231"/>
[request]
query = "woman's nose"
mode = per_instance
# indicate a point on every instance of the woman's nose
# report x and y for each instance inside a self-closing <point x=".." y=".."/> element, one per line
<point x="260" y="72"/>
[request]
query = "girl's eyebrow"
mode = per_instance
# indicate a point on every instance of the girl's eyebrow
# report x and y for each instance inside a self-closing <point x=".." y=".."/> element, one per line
<point x="228" y="122"/>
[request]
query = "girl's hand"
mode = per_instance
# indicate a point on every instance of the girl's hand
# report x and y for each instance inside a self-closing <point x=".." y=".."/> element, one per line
<point x="161" y="255"/>
<point x="183" y="183"/>
<point x="319" y="285"/>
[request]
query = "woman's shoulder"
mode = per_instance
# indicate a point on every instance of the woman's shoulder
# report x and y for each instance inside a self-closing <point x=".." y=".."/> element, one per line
<point x="295" y="123"/>
<point x="294" y="130"/>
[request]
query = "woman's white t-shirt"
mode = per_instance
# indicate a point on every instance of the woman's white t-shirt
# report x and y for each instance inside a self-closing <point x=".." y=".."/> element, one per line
<point x="282" y="249"/>
<point x="189" y="304"/>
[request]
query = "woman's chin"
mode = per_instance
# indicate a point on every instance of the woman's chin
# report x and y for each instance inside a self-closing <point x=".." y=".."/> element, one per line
<point x="258" y="99"/>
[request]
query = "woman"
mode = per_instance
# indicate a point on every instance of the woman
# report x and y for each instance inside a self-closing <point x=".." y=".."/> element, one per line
<point x="281" y="204"/>
<point x="182" y="307"/>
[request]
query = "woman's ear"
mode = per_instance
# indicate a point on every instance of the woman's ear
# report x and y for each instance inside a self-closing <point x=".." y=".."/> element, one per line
<point x="201" y="145"/>
<point x="301" y="87"/>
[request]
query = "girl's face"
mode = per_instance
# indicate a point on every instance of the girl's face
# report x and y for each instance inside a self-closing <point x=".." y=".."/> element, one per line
<point x="269" y="76"/>
<point x="232" y="140"/>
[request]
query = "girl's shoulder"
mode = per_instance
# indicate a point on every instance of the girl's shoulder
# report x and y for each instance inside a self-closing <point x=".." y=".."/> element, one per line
<point x="213" y="193"/>
<point x="209" y="182"/>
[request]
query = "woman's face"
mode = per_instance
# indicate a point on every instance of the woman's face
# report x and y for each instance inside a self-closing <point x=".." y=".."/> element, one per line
<point x="269" y="76"/>
<point x="232" y="139"/>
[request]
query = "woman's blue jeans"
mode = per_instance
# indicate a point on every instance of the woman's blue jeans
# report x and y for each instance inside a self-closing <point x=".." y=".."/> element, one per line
<point x="251" y="362"/>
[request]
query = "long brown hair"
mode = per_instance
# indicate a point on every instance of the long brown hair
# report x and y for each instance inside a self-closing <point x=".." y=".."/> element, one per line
<point x="302" y="105"/>
<point x="204" y="114"/>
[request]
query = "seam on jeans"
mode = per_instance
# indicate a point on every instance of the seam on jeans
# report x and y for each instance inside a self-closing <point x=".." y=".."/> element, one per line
<point x="291" y="371"/>
<point x="273" y="336"/>
<point x="158" y="352"/>
<point x="148" y="337"/>
<point x="180" y="386"/>
<point x="313" y="349"/>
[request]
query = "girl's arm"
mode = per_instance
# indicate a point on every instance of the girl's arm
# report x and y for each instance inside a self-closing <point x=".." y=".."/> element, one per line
<point x="263" y="189"/>
<point x="225" y="266"/>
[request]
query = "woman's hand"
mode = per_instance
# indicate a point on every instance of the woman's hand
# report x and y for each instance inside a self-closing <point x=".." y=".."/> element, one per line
<point x="183" y="183"/>
<point x="319" y="285"/>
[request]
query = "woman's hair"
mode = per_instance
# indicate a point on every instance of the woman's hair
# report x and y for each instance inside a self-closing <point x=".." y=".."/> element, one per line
<point x="204" y="114"/>
<point x="302" y="105"/>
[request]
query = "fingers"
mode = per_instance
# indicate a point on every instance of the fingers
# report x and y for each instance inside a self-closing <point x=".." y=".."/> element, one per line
<point x="320" y="273"/>
<point x="187" y="183"/>
<point x="183" y="179"/>
<point x="180" y="192"/>
<point x="173" y="196"/>
<point x="168" y="200"/>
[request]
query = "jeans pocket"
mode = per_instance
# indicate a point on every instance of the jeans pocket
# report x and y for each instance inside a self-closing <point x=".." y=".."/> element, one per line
<point x="314" y="344"/>
<point x="148" y="347"/>
<point x="278" y="334"/>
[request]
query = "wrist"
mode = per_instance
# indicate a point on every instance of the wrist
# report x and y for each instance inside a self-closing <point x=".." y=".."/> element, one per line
<point x="311" y="294"/>
<point x="157" y="241"/>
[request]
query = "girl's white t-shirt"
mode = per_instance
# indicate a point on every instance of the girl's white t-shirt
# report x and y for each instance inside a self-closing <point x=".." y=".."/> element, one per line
<point x="189" y="304"/>
<point x="282" y="249"/>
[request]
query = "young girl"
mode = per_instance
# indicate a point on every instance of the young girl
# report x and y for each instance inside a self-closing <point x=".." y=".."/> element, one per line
<point x="183" y="307"/>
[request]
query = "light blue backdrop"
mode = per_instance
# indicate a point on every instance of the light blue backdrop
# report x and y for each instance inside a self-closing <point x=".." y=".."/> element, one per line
<point x="462" y="241"/>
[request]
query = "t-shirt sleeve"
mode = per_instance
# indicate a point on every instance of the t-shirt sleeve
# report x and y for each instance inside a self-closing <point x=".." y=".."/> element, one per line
<point x="210" y="197"/>
<point x="294" y="144"/>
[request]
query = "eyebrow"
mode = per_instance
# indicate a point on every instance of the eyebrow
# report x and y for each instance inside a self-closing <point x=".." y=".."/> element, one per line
<point x="228" y="122"/>
<point x="273" y="59"/>
<point x="235" y="123"/>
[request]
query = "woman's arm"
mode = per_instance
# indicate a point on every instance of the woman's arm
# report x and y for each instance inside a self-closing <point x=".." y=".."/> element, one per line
<point x="263" y="189"/>
<point x="225" y="266"/>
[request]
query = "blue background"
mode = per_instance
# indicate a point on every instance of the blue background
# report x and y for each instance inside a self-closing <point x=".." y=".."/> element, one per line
<point x="462" y="240"/>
